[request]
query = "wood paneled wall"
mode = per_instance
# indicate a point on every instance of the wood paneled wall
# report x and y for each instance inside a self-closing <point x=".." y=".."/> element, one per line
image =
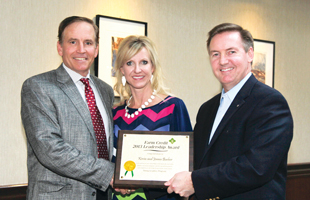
<point x="13" y="192"/>
<point x="297" y="185"/>
<point x="298" y="182"/>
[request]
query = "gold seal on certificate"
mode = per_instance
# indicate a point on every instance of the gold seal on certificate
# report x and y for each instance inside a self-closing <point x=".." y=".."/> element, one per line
<point x="150" y="158"/>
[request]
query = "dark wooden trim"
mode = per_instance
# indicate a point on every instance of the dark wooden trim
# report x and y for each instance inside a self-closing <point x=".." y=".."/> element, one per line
<point x="300" y="169"/>
<point x="297" y="185"/>
<point x="10" y="192"/>
<point x="298" y="181"/>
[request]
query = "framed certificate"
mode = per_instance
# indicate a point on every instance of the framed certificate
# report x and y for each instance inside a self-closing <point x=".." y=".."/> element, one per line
<point x="150" y="158"/>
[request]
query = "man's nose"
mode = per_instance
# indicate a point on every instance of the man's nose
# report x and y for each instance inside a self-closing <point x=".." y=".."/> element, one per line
<point x="81" y="48"/>
<point x="223" y="60"/>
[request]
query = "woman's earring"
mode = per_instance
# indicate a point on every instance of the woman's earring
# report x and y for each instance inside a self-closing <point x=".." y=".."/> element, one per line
<point x="123" y="81"/>
<point x="152" y="78"/>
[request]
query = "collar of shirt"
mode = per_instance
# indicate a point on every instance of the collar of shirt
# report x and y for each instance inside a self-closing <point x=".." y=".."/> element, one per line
<point x="231" y="94"/>
<point x="74" y="75"/>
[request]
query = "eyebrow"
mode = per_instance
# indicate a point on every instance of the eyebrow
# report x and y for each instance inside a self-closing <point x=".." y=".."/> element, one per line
<point x="213" y="51"/>
<point x="83" y="40"/>
<point x="230" y="48"/>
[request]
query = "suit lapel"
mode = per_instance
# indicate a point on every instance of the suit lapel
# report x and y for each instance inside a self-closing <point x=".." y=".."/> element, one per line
<point x="235" y="105"/>
<point x="66" y="84"/>
<point x="207" y="121"/>
<point x="212" y="114"/>
<point x="239" y="100"/>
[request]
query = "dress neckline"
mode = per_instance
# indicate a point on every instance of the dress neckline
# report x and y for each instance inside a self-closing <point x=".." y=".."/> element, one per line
<point x="149" y="106"/>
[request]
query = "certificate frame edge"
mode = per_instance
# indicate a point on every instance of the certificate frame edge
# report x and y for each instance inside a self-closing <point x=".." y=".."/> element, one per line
<point x="141" y="183"/>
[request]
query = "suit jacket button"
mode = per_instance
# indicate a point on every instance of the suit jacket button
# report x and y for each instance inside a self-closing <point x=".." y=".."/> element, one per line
<point x="93" y="194"/>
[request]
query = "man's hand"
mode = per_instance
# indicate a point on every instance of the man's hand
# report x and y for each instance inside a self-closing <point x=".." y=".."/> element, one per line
<point x="121" y="190"/>
<point x="111" y="182"/>
<point x="124" y="191"/>
<point x="181" y="183"/>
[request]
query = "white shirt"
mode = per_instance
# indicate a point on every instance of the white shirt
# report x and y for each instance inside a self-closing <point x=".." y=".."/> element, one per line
<point x="81" y="87"/>
<point x="225" y="101"/>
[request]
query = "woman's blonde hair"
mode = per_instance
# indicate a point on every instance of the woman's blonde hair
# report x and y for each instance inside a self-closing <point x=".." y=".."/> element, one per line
<point x="128" y="48"/>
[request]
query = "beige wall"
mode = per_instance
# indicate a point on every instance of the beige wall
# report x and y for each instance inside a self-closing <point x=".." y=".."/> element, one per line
<point x="179" y="28"/>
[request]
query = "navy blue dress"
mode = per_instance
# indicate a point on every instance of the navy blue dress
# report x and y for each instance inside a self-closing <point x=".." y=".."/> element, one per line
<point x="168" y="115"/>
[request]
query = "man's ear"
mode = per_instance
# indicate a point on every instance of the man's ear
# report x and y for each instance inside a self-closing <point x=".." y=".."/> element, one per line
<point x="59" y="48"/>
<point x="97" y="50"/>
<point x="250" y="55"/>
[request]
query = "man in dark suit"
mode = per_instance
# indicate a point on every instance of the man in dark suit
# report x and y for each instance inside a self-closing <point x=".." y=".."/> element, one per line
<point x="63" y="160"/>
<point x="242" y="135"/>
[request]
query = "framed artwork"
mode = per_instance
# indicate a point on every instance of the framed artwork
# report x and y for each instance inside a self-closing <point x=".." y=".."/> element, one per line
<point x="263" y="63"/>
<point x="111" y="32"/>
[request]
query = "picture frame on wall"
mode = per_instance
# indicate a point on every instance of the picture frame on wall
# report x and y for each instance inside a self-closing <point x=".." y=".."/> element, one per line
<point x="263" y="63"/>
<point x="111" y="32"/>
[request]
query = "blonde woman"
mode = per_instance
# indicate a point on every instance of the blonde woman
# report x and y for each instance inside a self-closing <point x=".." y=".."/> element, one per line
<point x="145" y="103"/>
